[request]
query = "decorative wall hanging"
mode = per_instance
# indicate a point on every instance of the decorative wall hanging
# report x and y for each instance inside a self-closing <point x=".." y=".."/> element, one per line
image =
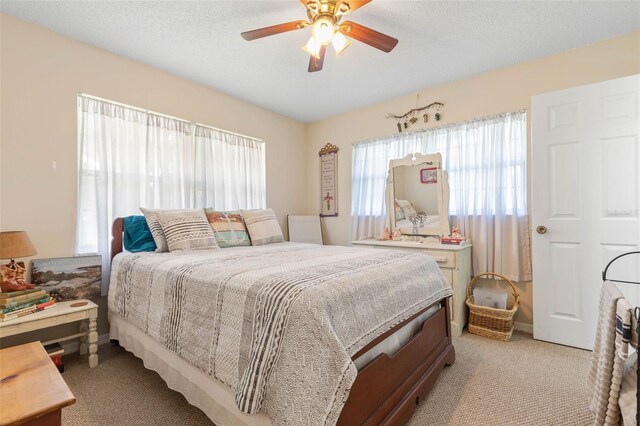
<point x="411" y="117"/>
<point x="329" y="180"/>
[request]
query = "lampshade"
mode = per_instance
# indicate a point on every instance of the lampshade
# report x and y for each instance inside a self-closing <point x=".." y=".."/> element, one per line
<point x="312" y="48"/>
<point x="15" y="244"/>
<point x="339" y="43"/>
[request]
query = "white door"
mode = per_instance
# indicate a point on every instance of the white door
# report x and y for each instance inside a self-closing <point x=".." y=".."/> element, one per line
<point x="585" y="191"/>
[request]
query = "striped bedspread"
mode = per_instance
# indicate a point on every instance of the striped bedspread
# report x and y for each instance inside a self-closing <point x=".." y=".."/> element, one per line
<point x="276" y="323"/>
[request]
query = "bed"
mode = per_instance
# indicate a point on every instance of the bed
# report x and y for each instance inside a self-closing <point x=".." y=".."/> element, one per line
<point x="286" y="333"/>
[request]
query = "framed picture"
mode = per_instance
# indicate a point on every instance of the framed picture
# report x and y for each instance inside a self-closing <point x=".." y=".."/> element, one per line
<point x="429" y="175"/>
<point x="68" y="278"/>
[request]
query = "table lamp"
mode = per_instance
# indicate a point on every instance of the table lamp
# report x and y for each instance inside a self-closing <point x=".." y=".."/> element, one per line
<point x="14" y="244"/>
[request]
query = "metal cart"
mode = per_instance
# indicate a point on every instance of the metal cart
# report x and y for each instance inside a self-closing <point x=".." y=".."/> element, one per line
<point x="636" y="314"/>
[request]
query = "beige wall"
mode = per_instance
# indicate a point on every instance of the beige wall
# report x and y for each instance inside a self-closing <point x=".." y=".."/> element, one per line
<point x="503" y="90"/>
<point x="41" y="74"/>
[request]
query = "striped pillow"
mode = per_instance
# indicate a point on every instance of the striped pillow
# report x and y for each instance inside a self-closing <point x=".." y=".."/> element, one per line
<point x="228" y="228"/>
<point x="151" y="216"/>
<point x="187" y="230"/>
<point x="263" y="226"/>
<point x="407" y="208"/>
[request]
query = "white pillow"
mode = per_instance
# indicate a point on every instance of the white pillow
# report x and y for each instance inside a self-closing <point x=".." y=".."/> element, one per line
<point x="263" y="226"/>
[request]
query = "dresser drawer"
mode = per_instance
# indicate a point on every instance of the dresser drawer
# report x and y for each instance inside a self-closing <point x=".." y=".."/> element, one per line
<point x="445" y="259"/>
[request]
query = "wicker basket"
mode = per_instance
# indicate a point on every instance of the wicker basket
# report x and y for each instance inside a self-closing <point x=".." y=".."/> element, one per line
<point x="492" y="322"/>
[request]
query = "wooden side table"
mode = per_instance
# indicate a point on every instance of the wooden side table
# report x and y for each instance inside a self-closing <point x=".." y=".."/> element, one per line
<point x="84" y="311"/>
<point x="32" y="391"/>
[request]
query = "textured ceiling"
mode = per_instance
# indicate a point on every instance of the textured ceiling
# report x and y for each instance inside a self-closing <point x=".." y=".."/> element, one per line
<point x="440" y="41"/>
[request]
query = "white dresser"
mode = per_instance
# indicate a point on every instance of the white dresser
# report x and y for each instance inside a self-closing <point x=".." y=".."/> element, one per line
<point x="455" y="264"/>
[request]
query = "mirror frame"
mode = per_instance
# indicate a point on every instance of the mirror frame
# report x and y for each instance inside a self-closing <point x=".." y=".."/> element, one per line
<point x="442" y="192"/>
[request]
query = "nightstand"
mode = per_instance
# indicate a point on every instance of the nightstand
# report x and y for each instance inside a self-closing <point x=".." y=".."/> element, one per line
<point x="83" y="311"/>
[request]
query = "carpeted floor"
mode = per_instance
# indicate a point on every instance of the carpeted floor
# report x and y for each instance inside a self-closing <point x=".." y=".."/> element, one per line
<point x="521" y="382"/>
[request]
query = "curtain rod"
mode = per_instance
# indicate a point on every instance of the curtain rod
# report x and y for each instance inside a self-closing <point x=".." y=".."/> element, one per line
<point x="444" y="126"/>
<point x="148" y="111"/>
<point x="227" y="131"/>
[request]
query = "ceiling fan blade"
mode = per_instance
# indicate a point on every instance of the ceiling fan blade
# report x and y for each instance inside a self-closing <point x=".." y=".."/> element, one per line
<point x="315" y="64"/>
<point x="356" y="4"/>
<point x="273" y="30"/>
<point x="368" y="36"/>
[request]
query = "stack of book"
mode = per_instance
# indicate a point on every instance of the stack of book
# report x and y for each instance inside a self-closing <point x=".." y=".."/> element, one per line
<point x="55" y="351"/>
<point x="19" y="303"/>
<point x="452" y="240"/>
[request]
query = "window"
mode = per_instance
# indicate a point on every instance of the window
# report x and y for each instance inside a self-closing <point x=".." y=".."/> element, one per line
<point x="486" y="160"/>
<point x="130" y="158"/>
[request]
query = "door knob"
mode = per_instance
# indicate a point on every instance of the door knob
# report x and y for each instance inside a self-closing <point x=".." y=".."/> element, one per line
<point x="541" y="229"/>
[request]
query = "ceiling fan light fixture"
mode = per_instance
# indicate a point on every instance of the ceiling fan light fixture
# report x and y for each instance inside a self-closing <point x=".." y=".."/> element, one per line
<point x="340" y="43"/>
<point x="323" y="30"/>
<point x="312" y="47"/>
<point x="325" y="19"/>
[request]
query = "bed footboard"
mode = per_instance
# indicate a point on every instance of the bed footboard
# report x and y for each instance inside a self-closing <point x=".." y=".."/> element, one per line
<point x="389" y="388"/>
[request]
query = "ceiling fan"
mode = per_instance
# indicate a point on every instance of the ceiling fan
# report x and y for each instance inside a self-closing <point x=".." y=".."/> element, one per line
<point x="324" y="19"/>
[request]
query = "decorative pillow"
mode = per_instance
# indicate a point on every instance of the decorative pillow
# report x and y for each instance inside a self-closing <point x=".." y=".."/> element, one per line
<point x="228" y="228"/>
<point x="187" y="230"/>
<point x="151" y="216"/>
<point x="263" y="226"/>
<point x="137" y="235"/>
<point x="399" y="213"/>
<point x="407" y="208"/>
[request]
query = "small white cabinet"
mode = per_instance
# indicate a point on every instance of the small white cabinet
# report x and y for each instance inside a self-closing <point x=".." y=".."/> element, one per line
<point x="455" y="264"/>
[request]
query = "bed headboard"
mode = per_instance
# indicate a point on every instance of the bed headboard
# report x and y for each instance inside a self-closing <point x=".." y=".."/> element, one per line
<point x="116" y="232"/>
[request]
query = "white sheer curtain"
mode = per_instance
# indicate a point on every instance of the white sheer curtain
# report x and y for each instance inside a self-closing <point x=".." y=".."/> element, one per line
<point x="486" y="162"/>
<point x="170" y="163"/>
<point x="129" y="158"/>
<point x="228" y="179"/>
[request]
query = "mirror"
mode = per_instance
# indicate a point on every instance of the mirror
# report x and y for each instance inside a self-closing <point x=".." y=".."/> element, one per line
<point x="418" y="196"/>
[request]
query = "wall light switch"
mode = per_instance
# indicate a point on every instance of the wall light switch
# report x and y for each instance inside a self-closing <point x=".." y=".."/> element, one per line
<point x="54" y="165"/>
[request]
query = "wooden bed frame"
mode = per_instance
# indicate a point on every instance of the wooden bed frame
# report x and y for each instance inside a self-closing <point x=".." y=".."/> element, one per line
<point x="388" y="389"/>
